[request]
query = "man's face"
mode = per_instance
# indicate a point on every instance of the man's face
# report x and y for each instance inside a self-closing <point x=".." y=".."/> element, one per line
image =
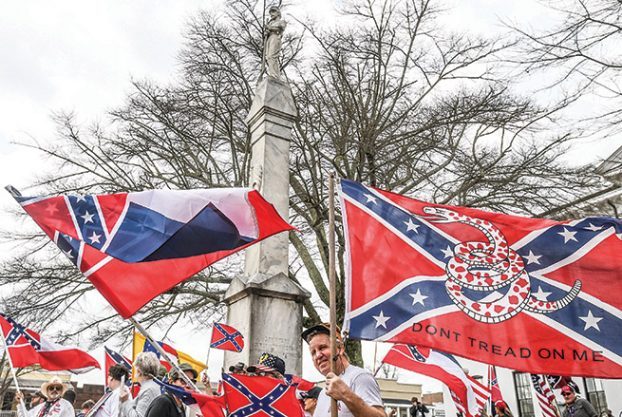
<point x="569" y="397"/>
<point x="319" y="347"/>
<point x="180" y="382"/>
<point x="54" y="391"/>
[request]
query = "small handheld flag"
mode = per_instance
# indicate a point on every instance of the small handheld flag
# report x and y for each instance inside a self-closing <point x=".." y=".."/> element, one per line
<point x="225" y="337"/>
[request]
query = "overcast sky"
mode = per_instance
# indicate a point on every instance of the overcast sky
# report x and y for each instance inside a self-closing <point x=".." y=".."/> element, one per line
<point x="80" y="55"/>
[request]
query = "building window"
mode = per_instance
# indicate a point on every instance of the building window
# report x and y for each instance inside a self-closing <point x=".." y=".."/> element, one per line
<point x="596" y="394"/>
<point x="522" y="384"/>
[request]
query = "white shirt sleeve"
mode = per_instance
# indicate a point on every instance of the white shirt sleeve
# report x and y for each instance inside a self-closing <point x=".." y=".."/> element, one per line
<point x="66" y="409"/>
<point x="365" y="386"/>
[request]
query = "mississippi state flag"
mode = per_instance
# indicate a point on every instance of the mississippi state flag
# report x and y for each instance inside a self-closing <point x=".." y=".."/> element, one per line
<point x="260" y="396"/>
<point x="535" y="295"/>
<point x="226" y="338"/>
<point x="135" y="246"/>
<point x="141" y="344"/>
<point x="440" y="366"/>
<point x="26" y="347"/>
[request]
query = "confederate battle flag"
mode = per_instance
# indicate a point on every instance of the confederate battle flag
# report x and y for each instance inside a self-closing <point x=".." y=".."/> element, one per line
<point x="535" y="295"/>
<point x="225" y="337"/>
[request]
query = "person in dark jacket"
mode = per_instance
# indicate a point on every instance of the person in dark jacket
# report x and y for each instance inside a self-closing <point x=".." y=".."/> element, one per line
<point x="417" y="409"/>
<point x="168" y="405"/>
<point x="575" y="406"/>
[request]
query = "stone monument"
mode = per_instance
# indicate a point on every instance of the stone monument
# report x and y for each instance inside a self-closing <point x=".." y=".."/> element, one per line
<point x="263" y="303"/>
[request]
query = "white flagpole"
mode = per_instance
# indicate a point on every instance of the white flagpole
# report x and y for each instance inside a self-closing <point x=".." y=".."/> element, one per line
<point x="8" y="355"/>
<point x="209" y="349"/>
<point x="163" y="353"/>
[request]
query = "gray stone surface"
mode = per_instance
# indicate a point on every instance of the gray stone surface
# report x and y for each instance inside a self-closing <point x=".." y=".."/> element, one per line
<point x="263" y="303"/>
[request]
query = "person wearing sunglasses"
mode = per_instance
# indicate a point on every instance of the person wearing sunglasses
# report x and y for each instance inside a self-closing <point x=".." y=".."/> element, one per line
<point x="167" y="404"/>
<point x="576" y="406"/>
<point x="54" y="405"/>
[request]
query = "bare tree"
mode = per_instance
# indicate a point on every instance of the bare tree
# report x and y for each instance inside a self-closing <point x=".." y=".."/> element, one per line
<point x="387" y="371"/>
<point x="390" y="99"/>
<point x="582" y="53"/>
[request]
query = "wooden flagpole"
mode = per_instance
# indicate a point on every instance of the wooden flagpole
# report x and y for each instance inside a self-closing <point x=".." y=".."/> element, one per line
<point x="8" y="355"/>
<point x="331" y="281"/>
<point x="163" y="353"/>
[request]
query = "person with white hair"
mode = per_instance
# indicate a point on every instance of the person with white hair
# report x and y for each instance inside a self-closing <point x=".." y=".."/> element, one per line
<point x="146" y="367"/>
<point x="54" y="405"/>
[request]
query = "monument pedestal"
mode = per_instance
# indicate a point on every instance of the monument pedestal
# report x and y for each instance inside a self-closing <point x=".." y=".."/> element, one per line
<point x="264" y="304"/>
<point x="268" y="312"/>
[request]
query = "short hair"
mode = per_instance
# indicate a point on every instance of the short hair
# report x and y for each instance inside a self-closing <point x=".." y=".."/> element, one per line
<point x="88" y="404"/>
<point x="413" y="399"/>
<point x="70" y="395"/>
<point x="148" y="364"/>
<point x="118" y="372"/>
<point x="39" y="394"/>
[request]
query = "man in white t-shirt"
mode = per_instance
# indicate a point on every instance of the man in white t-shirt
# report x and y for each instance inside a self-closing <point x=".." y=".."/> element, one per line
<point x="355" y="389"/>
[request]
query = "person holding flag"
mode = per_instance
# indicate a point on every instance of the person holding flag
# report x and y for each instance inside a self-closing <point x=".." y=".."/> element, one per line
<point x="54" y="405"/>
<point x="108" y="405"/>
<point x="147" y="366"/>
<point x="355" y="389"/>
<point x="167" y="404"/>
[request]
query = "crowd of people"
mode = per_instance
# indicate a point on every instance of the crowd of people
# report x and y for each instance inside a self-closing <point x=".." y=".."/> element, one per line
<point x="355" y="389"/>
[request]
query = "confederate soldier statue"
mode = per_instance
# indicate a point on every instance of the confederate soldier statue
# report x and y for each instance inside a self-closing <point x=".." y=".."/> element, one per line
<point x="272" y="44"/>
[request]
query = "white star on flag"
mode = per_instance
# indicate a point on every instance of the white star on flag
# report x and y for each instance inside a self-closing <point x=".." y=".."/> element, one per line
<point x="381" y="320"/>
<point x="68" y="253"/>
<point x="532" y="258"/>
<point x="80" y="198"/>
<point x="568" y="235"/>
<point x="590" y="321"/>
<point x="411" y="226"/>
<point x="541" y="294"/>
<point x="95" y="237"/>
<point x="593" y="228"/>
<point x="371" y="199"/>
<point x="88" y="217"/>
<point x="447" y="252"/>
<point x="418" y="297"/>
